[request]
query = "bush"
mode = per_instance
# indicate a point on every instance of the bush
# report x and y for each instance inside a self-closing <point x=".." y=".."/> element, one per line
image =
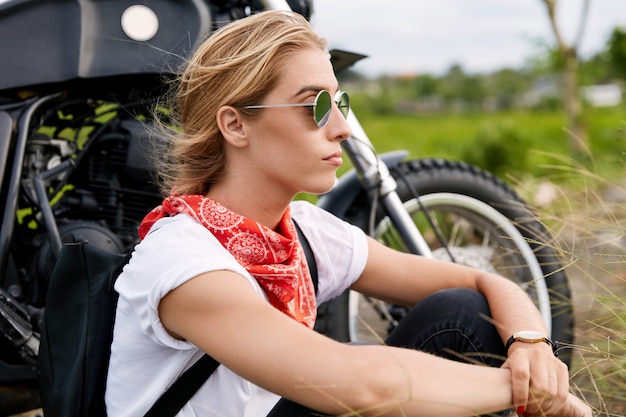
<point x="498" y="147"/>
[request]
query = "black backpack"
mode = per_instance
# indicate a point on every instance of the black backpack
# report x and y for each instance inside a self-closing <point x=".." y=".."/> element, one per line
<point x="77" y="331"/>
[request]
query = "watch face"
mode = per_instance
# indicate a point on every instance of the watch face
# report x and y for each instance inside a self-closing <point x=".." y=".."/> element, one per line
<point x="530" y="334"/>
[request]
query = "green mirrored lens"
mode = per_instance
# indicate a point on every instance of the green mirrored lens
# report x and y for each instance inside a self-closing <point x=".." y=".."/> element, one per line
<point x="343" y="102"/>
<point x="322" y="107"/>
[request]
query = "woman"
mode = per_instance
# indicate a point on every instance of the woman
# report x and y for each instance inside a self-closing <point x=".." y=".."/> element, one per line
<point x="220" y="268"/>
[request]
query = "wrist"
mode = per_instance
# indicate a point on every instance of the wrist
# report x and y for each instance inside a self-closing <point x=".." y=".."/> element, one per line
<point x="531" y="337"/>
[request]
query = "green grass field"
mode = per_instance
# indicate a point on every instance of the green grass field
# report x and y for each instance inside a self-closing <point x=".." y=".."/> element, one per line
<point x="514" y="144"/>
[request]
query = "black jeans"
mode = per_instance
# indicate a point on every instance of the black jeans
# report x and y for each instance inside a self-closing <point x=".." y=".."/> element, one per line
<point x="454" y="324"/>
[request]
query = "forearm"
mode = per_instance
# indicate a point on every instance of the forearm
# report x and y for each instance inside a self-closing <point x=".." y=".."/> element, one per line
<point x="511" y="308"/>
<point x="540" y="382"/>
<point x="399" y="382"/>
<point x="447" y="388"/>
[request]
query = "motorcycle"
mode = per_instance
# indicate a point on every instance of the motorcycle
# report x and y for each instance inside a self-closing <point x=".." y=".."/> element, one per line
<point x="78" y="83"/>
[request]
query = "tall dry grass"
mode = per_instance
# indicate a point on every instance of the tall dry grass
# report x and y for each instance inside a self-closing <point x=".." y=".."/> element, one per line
<point x="587" y="213"/>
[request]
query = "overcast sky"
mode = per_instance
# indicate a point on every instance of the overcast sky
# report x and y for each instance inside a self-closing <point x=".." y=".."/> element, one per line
<point x="427" y="36"/>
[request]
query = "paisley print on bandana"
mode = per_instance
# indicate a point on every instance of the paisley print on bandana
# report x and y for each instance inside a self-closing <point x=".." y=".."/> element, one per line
<point x="275" y="260"/>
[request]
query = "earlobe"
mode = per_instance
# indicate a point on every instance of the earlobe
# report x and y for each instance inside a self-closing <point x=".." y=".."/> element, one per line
<point x="230" y="122"/>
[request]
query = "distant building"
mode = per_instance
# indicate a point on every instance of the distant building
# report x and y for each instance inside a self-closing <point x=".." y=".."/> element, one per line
<point x="545" y="90"/>
<point x="604" y="95"/>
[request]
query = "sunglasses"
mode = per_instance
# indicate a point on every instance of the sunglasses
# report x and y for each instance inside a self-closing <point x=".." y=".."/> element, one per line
<point x="321" y="107"/>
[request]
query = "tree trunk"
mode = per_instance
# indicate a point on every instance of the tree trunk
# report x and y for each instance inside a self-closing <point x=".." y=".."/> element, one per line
<point x="572" y="102"/>
<point x="573" y="105"/>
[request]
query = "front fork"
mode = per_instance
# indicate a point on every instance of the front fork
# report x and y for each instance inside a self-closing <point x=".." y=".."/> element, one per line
<point x="375" y="177"/>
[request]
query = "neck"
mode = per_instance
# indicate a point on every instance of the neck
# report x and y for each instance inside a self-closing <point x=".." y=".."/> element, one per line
<point x="264" y="208"/>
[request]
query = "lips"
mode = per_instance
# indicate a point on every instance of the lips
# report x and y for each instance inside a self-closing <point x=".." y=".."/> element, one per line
<point x="334" y="159"/>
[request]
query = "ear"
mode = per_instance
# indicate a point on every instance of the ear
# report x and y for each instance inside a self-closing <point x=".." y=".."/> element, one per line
<point x="231" y="124"/>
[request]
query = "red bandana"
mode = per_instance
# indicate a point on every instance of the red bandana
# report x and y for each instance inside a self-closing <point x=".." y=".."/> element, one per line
<point x="276" y="260"/>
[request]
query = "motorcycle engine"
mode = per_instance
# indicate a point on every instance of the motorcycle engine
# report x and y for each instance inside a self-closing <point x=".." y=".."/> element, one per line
<point x="102" y="199"/>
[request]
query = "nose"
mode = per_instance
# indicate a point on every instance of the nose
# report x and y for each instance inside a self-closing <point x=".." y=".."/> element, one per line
<point x="338" y="125"/>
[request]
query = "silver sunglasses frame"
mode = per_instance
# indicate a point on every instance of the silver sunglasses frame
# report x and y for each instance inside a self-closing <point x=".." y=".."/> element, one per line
<point x="339" y="95"/>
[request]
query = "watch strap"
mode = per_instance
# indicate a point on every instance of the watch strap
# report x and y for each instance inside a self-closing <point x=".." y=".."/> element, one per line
<point x="514" y="338"/>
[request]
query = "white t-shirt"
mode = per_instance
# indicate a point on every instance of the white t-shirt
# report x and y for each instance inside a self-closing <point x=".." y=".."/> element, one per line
<point x="146" y="360"/>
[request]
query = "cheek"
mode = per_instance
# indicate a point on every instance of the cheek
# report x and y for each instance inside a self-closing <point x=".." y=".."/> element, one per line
<point x="292" y="156"/>
<point x="287" y="141"/>
<point x="286" y="144"/>
<point x="279" y="145"/>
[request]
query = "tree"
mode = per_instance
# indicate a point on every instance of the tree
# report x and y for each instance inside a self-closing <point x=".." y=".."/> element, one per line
<point x="425" y="85"/>
<point x="460" y="89"/>
<point x="617" y="53"/>
<point x="506" y="86"/>
<point x="569" y="53"/>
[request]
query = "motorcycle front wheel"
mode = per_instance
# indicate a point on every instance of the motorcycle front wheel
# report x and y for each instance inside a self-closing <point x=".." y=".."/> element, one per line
<point x="470" y="217"/>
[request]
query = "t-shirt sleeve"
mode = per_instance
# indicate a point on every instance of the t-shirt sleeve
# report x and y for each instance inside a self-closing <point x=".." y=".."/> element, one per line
<point x="340" y="248"/>
<point x="175" y="251"/>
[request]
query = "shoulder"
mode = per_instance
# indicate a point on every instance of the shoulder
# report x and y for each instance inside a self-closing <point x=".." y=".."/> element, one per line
<point x="309" y="216"/>
<point x="177" y="226"/>
<point x="323" y="227"/>
<point x="175" y="250"/>
<point x="181" y="239"/>
<point x="340" y="248"/>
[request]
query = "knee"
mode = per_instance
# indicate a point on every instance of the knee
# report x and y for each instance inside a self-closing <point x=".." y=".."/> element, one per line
<point x="458" y="319"/>
<point x="457" y="301"/>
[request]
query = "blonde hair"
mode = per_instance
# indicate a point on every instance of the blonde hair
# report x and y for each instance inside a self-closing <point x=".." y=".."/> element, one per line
<point x="237" y="65"/>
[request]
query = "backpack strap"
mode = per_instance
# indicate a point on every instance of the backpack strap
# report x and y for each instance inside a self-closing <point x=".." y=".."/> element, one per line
<point x="310" y="258"/>
<point x="172" y="400"/>
<point x="177" y="395"/>
<point x="117" y="271"/>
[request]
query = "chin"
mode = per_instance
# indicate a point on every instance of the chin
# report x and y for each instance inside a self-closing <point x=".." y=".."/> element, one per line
<point x="320" y="189"/>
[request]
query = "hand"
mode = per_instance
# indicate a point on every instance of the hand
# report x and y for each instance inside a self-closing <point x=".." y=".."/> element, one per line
<point x="574" y="407"/>
<point x="540" y="381"/>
